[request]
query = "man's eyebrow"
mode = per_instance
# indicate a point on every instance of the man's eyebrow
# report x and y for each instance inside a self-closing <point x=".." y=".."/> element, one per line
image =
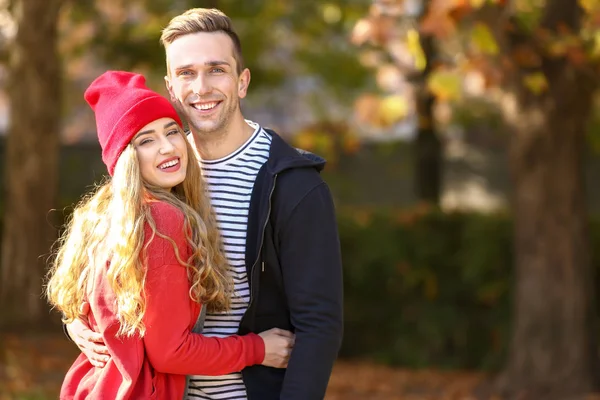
<point x="186" y="66"/>
<point x="211" y="63"/>
<point x="217" y="62"/>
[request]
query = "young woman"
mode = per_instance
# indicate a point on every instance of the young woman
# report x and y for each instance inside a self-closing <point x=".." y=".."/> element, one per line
<point x="144" y="251"/>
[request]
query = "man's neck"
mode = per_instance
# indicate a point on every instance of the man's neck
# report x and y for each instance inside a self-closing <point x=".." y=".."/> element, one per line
<point x="214" y="147"/>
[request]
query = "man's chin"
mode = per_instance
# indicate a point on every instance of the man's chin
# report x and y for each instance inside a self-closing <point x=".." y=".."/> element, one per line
<point x="205" y="127"/>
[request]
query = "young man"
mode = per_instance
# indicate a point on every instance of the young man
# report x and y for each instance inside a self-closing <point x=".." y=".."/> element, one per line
<point x="274" y="211"/>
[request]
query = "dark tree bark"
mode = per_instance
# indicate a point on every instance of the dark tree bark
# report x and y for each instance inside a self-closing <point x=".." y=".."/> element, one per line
<point x="34" y="88"/>
<point x="553" y="351"/>
<point x="428" y="147"/>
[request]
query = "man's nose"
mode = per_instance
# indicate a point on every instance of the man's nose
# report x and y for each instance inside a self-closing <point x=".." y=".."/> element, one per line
<point x="201" y="85"/>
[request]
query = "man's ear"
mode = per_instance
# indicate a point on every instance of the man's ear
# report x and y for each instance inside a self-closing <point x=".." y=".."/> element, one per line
<point x="170" y="88"/>
<point x="243" y="83"/>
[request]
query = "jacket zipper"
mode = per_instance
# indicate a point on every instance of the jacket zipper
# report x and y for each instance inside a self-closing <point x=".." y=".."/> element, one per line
<point x="262" y="239"/>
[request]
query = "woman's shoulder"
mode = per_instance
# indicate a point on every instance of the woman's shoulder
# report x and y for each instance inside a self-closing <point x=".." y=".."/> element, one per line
<point x="168" y="231"/>
<point x="164" y="208"/>
<point x="167" y="217"/>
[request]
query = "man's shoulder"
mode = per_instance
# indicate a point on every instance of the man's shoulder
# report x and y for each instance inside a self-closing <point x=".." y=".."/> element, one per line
<point x="294" y="187"/>
<point x="299" y="177"/>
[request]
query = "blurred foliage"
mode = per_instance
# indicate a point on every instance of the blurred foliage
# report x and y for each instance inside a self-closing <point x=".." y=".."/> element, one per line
<point x="485" y="40"/>
<point x="279" y="38"/>
<point x="329" y="139"/>
<point x="593" y="132"/>
<point x="446" y="84"/>
<point x="472" y="112"/>
<point x="425" y="288"/>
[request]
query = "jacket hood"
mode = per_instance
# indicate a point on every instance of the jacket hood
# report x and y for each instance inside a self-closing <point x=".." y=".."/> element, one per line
<point x="283" y="156"/>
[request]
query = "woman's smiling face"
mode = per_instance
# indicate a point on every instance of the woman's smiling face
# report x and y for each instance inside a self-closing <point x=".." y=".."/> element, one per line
<point x="162" y="153"/>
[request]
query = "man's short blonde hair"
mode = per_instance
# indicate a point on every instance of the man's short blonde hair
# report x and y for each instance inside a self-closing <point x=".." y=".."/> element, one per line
<point x="197" y="20"/>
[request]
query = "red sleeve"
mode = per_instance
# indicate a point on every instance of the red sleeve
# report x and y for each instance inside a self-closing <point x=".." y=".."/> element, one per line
<point x="169" y="343"/>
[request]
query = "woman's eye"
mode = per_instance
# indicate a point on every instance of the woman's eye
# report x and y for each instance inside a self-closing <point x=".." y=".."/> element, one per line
<point x="173" y="132"/>
<point x="143" y="142"/>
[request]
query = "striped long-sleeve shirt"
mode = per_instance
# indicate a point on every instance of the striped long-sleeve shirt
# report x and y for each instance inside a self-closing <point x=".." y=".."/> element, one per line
<point x="230" y="181"/>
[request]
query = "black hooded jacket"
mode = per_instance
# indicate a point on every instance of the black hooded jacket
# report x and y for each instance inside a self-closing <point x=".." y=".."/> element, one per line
<point x="295" y="273"/>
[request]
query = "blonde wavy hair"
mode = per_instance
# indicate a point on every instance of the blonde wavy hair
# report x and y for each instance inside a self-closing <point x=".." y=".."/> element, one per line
<point x="108" y="224"/>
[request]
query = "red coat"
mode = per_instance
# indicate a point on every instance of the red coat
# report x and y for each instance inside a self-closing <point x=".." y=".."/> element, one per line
<point x="154" y="367"/>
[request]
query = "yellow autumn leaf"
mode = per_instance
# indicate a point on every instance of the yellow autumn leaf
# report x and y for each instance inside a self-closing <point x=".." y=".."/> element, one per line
<point x="590" y="5"/>
<point x="305" y="140"/>
<point x="332" y="13"/>
<point x="477" y="3"/>
<point x="536" y="82"/>
<point x="526" y="6"/>
<point x="445" y="85"/>
<point x="595" y="51"/>
<point x="414" y="48"/>
<point x="393" y="109"/>
<point x="323" y="142"/>
<point x="483" y="39"/>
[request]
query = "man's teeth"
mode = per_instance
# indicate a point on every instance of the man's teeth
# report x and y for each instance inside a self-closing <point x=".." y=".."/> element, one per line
<point x="206" y="106"/>
<point x="168" y="164"/>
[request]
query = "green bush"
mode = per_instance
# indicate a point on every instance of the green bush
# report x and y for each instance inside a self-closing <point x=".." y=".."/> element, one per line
<point x="426" y="289"/>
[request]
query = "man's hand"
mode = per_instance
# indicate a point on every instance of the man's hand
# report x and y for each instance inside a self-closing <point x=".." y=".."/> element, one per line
<point x="89" y="342"/>
<point x="278" y="347"/>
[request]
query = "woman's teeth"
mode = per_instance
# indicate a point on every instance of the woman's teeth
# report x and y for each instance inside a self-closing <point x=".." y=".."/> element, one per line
<point x="168" y="164"/>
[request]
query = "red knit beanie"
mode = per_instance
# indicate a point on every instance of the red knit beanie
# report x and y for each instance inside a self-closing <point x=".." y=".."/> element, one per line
<point x="123" y="105"/>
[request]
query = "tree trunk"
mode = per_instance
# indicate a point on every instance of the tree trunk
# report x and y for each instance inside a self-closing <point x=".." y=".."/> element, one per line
<point x="31" y="162"/>
<point x="553" y="350"/>
<point x="428" y="147"/>
<point x="428" y="151"/>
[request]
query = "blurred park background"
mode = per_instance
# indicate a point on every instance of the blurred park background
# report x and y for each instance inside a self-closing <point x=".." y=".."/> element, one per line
<point x="463" y="147"/>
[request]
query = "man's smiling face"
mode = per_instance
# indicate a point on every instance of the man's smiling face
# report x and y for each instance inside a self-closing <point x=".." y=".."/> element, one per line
<point x="203" y="81"/>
